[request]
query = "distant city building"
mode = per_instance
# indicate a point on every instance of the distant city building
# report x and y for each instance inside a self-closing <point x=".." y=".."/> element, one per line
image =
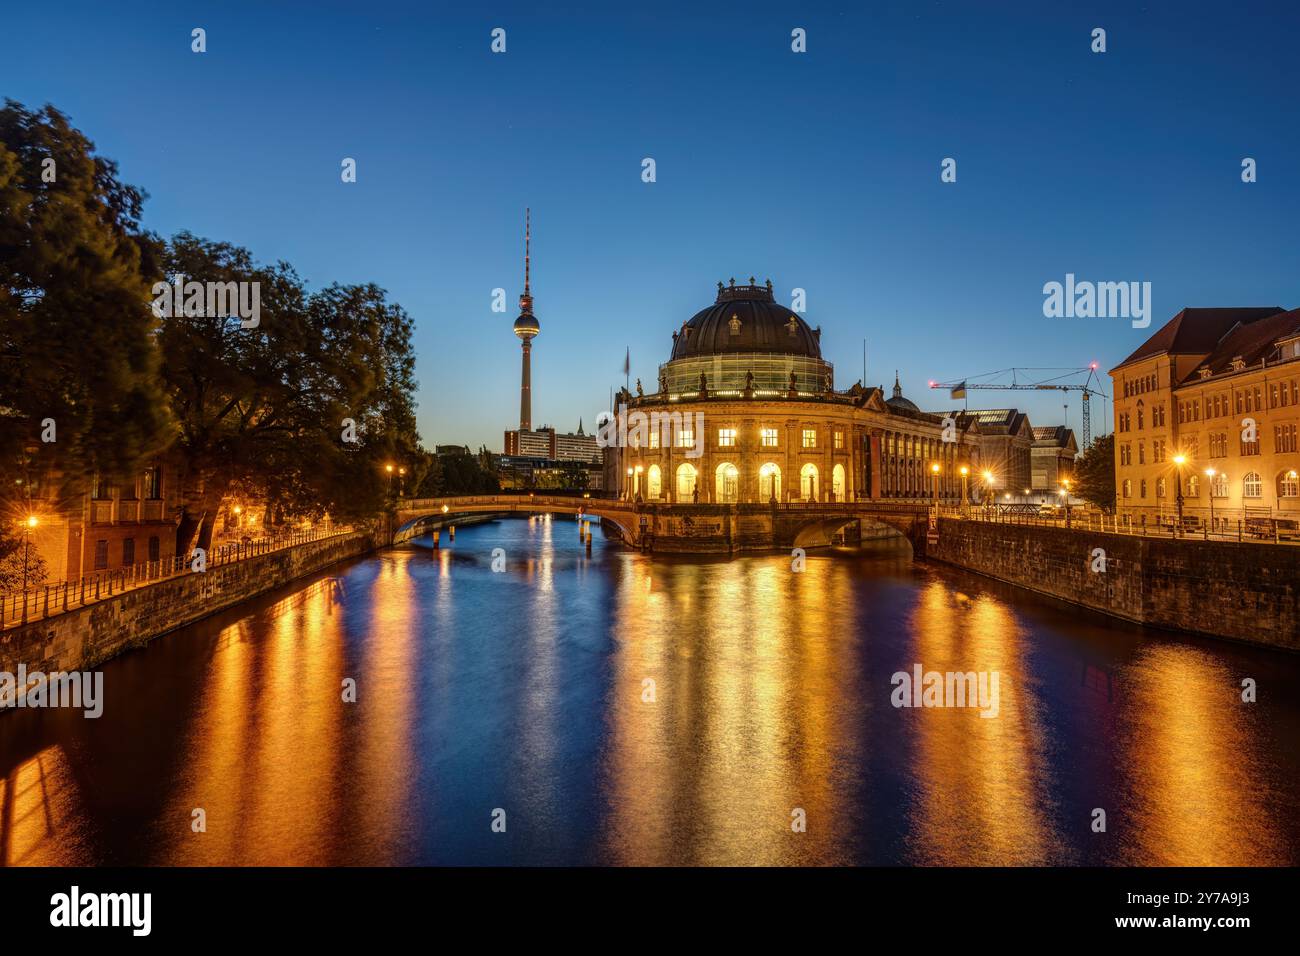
<point x="451" y="450"/>
<point x="1022" y="457"/>
<point x="1221" y="389"/>
<point x="520" y="472"/>
<point x="530" y="444"/>
<point x="546" y="442"/>
<point x="1052" y="457"/>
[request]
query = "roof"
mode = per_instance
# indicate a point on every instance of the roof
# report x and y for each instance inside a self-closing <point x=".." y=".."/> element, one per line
<point x="1251" y="342"/>
<point x="898" y="402"/>
<point x="746" y="319"/>
<point x="1197" y="331"/>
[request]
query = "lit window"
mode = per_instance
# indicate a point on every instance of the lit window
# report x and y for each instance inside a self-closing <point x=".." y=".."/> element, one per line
<point x="839" y="439"/>
<point x="1251" y="486"/>
<point x="654" y="437"/>
<point x="1289" y="487"/>
<point x="1160" y="487"/>
<point x="686" y="438"/>
<point x="810" y="438"/>
<point x="726" y="437"/>
<point x="769" y="437"/>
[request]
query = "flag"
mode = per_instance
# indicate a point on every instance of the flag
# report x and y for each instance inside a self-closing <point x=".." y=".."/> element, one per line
<point x="959" y="391"/>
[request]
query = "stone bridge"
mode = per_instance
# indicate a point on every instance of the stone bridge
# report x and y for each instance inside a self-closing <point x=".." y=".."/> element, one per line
<point x="702" y="528"/>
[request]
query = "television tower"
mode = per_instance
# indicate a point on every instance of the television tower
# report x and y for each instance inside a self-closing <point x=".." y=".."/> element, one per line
<point x="526" y="326"/>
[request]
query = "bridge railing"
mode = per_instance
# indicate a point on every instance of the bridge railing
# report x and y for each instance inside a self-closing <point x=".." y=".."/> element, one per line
<point x="571" y="503"/>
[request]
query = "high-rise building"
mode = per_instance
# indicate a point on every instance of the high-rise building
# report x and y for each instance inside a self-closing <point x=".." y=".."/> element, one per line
<point x="526" y="327"/>
<point x="547" y="443"/>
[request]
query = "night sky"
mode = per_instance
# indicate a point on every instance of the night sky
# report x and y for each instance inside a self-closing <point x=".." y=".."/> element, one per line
<point x="819" y="170"/>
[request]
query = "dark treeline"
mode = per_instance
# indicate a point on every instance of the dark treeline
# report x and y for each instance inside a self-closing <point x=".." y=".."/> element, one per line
<point x="303" y="409"/>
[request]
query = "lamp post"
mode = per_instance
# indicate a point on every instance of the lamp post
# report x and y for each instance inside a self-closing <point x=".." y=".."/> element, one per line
<point x="389" y="469"/>
<point x="629" y="484"/>
<point x="1065" y="494"/>
<point x="934" y="485"/>
<point x="964" y="472"/>
<point x="988" y="486"/>
<point x="1210" y="473"/>
<point x="29" y="524"/>
<point x="401" y="476"/>
<point x="1178" y="486"/>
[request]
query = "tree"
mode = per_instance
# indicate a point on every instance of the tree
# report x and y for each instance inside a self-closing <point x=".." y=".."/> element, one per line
<point x="12" y="570"/>
<point x="1094" y="474"/>
<point x="77" y="353"/>
<point x="307" y="406"/>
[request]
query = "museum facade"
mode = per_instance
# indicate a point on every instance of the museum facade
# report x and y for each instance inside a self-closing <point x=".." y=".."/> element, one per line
<point x="757" y="419"/>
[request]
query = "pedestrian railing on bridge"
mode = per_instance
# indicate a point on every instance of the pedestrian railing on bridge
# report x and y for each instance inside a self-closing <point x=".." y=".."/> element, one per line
<point x="34" y="604"/>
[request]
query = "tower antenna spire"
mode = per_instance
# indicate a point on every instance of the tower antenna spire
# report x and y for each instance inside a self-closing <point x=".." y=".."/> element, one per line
<point x="526" y="328"/>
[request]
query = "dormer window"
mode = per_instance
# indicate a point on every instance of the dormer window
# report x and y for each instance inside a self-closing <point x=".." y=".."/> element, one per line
<point x="792" y="325"/>
<point x="735" y="324"/>
<point x="1238" y="363"/>
<point x="1204" y="371"/>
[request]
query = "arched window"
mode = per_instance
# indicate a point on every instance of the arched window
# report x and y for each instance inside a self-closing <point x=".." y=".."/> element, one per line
<point x="686" y="476"/>
<point x="769" y="482"/>
<point x="1219" y="485"/>
<point x="1193" y="486"/>
<point x="1251" y="486"/>
<point x="728" y="483"/>
<point x="1160" y="487"/>
<point x="837" y="482"/>
<point x="808" y="482"/>
<point x="654" y="482"/>
<point x="1288" y="485"/>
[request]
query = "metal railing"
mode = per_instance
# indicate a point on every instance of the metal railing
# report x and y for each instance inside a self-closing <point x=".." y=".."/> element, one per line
<point x="1258" y="529"/>
<point x="34" y="604"/>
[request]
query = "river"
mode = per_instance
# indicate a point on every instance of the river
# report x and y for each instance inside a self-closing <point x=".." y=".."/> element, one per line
<point x="628" y="709"/>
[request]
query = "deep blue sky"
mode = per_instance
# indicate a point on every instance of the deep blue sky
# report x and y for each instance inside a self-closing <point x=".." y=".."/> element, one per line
<point x="818" y="170"/>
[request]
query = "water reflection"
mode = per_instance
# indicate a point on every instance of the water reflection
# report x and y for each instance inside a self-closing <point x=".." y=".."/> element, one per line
<point x="622" y="709"/>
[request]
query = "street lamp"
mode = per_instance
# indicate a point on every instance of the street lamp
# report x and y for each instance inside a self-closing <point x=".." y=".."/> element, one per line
<point x="1065" y="495"/>
<point x="30" y="524"/>
<point x="988" y="485"/>
<point x="1178" y="497"/>
<point x="629" y="484"/>
<point x="1210" y="473"/>
<point x="964" y="472"/>
<point x="389" y="469"/>
<point x="401" y="474"/>
<point x="934" y="485"/>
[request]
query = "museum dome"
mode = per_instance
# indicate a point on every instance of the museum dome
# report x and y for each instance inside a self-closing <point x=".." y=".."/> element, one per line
<point x="746" y="319"/>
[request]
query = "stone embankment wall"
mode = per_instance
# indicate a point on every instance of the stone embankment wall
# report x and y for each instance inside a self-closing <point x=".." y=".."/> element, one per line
<point x="1240" y="590"/>
<point x="84" y="637"/>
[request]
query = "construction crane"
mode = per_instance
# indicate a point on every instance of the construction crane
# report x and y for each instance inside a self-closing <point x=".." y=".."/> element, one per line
<point x="1050" y="383"/>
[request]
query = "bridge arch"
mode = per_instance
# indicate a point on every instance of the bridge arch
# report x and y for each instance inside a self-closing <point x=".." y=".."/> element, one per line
<point x="818" y="532"/>
<point x="619" y="513"/>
